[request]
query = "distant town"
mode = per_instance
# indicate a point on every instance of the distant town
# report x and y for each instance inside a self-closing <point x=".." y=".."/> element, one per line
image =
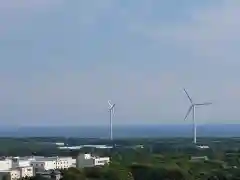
<point x="29" y="166"/>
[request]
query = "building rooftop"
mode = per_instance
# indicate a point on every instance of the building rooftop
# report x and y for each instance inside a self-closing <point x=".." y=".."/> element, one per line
<point x="86" y="145"/>
<point x="38" y="158"/>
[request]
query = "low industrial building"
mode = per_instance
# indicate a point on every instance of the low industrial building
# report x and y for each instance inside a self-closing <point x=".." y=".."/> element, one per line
<point x="16" y="173"/>
<point x="60" y="143"/>
<point x="50" y="163"/>
<point x="198" y="158"/>
<point x="44" y="164"/>
<point x="87" y="160"/>
<point x="86" y="146"/>
<point x="38" y="163"/>
<point x="41" y="163"/>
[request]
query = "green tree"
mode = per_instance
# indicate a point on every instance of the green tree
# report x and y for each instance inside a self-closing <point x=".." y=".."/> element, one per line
<point x="73" y="174"/>
<point x="93" y="172"/>
<point x="117" y="174"/>
<point x="116" y="171"/>
<point x="176" y="174"/>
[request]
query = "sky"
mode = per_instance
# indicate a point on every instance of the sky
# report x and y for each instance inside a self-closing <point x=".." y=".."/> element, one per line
<point x="61" y="61"/>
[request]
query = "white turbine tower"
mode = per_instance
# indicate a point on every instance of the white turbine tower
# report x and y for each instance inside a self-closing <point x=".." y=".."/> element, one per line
<point x="111" y="112"/>
<point x="192" y="108"/>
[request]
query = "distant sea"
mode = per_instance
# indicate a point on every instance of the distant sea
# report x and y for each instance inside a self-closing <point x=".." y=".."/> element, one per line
<point x="210" y="130"/>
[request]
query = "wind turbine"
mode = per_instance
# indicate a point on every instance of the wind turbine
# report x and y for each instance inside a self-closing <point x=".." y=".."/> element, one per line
<point x="111" y="112"/>
<point x="192" y="108"/>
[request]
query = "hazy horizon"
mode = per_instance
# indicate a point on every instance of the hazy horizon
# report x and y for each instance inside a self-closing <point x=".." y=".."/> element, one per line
<point x="213" y="130"/>
<point x="121" y="125"/>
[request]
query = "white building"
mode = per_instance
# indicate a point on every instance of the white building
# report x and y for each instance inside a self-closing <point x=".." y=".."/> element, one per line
<point x="199" y="158"/>
<point x="26" y="171"/>
<point x="60" y="143"/>
<point x="65" y="162"/>
<point x="86" y="146"/>
<point x="5" y="164"/>
<point x="50" y="163"/>
<point x="39" y="163"/>
<point x="87" y="160"/>
<point x="203" y="147"/>
<point x="20" y="162"/>
<point x="16" y="173"/>
<point x="44" y="164"/>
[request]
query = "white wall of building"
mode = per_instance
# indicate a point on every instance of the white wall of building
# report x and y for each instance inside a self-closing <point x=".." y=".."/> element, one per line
<point x="86" y="160"/>
<point x="73" y="163"/>
<point x="59" y="143"/>
<point x="26" y="171"/>
<point x="101" y="161"/>
<point x="43" y="165"/>
<point x="64" y="162"/>
<point x="15" y="174"/>
<point x="82" y="163"/>
<point x="5" y="164"/>
<point x="17" y="162"/>
<point x="48" y="163"/>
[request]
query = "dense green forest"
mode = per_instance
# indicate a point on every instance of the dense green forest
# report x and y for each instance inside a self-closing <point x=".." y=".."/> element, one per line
<point x="159" y="159"/>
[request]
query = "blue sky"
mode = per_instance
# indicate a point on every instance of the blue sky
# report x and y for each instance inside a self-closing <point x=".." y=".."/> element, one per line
<point x="60" y="61"/>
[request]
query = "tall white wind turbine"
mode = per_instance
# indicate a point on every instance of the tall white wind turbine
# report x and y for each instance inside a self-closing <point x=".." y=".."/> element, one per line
<point x="192" y="108"/>
<point x="111" y="112"/>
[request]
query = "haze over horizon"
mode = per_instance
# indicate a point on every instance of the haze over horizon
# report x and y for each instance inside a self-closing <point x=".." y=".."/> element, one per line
<point x="62" y="60"/>
<point x="127" y="131"/>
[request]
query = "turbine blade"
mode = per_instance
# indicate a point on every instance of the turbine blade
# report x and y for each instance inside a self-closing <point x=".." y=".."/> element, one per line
<point x="189" y="110"/>
<point x="190" y="99"/>
<point x="113" y="108"/>
<point x="203" y="104"/>
<point x="109" y="102"/>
